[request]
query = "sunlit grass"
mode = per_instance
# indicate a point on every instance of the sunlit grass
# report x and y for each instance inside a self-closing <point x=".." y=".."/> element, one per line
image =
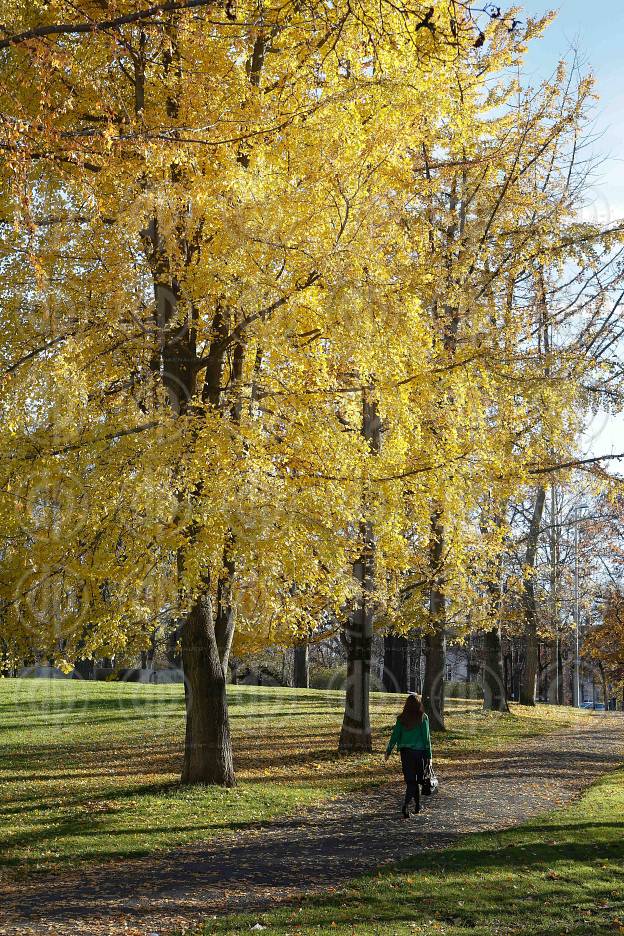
<point x="560" y="874"/>
<point x="89" y="771"/>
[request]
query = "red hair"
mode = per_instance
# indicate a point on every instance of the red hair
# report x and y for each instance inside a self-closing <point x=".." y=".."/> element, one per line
<point x="413" y="712"/>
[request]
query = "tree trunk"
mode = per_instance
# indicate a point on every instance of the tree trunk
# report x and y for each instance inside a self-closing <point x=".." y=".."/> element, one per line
<point x="435" y="641"/>
<point x="356" y="730"/>
<point x="543" y="675"/>
<point x="560" y="681"/>
<point x="507" y="668"/>
<point x="85" y="668"/>
<point x="555" y="681"/>
<point x="358" y="635"/>
<point x="494" y="682"/>
<point x="528" y="682"/>
<point x="301" y="665"/>
<point x="494" y="694"/>
<point x="433" y="683"/>
<point x="396" y="663"/>
<point x="415" y="653"/>
<point x="605" y="688"/>
<point x="172" y="643"/>
<point x="206" y="634"/>
<point x="568" y="693"/>
<point x="207" y="747"/>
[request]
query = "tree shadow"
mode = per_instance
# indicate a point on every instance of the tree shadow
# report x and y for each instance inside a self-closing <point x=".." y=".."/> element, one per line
<point x="298" y="857"/>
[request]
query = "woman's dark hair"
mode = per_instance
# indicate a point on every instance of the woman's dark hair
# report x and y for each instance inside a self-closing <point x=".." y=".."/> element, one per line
<point x="413" y="712"/>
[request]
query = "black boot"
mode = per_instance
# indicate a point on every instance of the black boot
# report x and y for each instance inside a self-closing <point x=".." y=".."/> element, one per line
<point x="405" y="810"/>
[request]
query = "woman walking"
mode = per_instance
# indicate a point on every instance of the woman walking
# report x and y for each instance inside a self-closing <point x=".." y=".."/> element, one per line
<point x="412" y="738"/>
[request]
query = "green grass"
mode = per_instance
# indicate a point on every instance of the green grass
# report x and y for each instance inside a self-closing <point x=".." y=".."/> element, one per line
<point x="89" y="771"/>
<point x="560" y="874"/>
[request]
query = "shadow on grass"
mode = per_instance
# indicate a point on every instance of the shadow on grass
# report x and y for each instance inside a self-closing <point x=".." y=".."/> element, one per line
<point x="278" y="754"/>
<point x="397" y="895"/>
<point x="393" y="895"/>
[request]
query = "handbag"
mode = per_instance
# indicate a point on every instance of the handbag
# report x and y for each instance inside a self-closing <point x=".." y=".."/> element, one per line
<point x="430" y="781"/>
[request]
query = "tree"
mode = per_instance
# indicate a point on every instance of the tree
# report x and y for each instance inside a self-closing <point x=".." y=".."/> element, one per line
<point x="498" y="254"/>
<point x="396" y="663"/>
<point x="529" y="674"/>
<point x="301" y="665"/>
<point x="355" y="734"/>
<point x="267" y="348"/>
<point x="605" y="642"/>
<point x="494" y="690"/>
<point x="233" y="168"/>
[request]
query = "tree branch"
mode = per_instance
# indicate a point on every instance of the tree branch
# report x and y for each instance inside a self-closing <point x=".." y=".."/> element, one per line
<point x="73" y="29"/>
<point x="76" y="446"/>
<point x="577" y="463"/>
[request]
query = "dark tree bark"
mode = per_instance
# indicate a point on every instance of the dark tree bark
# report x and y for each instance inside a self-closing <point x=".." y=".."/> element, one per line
<point x="553" y="687"/>
<point x="528" y="683"/>
<point x="494" y="671"/>
<point x="206" y="636"/>
<point x="147" y="656"/>
<point x="471" y="670"/>
<point x="355" y="734"/>
<point x="494" y="694"/>
<point x="560" y="685"/>
<point x="396" y="663"/>
<point x="207" y="748"/>
<point x="205" y="641"/>
<point x="435" y="641"/>
<point x="172" y="643"/>
<point x="528" y="679"/>
<point x="555" y="678"/>
<point x="433" y="683"/>
<point x="517" y="664"/>
<point x="415" y="653"/>
<point x="358" y="632"/>
<point x="301" y="665"/>
<point x="494" y="675"/>
<point x="604" y="683"/>
<point x="507" y="671"/>
<point x="546" y="676"/>
<point x="567" y="697"/>
<point x="85" y="668"/>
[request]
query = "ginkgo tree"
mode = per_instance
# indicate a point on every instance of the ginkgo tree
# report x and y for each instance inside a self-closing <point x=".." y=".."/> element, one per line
<point x="519" y="291"/>
<point x="200" y="266"/>
<point x="264" y="353"/>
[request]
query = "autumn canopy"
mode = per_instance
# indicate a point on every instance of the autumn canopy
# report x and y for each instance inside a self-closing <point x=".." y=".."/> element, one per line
<point x="283" y="329"/>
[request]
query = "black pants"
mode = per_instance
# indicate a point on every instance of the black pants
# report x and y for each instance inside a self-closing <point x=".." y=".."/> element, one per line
<point x="413" y="763"/>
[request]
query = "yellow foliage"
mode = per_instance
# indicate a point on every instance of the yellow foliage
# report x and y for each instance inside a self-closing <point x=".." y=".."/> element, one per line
<point x="219" y="232"/>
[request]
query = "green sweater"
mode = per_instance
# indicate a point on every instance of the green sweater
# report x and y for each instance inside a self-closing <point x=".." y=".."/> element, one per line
<point x="417" y="737"/>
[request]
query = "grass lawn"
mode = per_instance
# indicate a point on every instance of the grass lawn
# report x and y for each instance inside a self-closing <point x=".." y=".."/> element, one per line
<point x="563" y="873"/>
<point x="89" y="771"/>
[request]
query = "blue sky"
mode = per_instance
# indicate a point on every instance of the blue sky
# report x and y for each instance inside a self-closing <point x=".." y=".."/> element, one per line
<point x="595" y="28"/>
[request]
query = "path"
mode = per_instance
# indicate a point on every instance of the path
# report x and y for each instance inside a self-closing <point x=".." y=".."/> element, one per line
<point x="320" y="847"/>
